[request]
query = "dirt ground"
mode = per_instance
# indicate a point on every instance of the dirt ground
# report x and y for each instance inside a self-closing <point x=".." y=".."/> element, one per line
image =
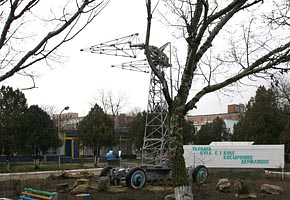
<point x="157" y="191"/>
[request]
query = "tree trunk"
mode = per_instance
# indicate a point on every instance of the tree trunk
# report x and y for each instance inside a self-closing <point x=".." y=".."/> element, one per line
<point x="182" y="187"/>
<point x="95" y="160"/>
<point x="36" y="159"/>
<point x="7" y="164"/>
<point x="97" y="156"/>
<point x="183" y="193"/>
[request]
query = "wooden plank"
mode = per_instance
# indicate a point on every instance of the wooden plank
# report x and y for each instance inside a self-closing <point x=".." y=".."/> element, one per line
<point x="26" y="198"/>
<point x="37" y="196"/>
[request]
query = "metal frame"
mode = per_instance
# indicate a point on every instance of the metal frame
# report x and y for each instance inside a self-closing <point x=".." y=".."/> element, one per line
<point x="156" y="145"/>
<point x="156" y="136"/>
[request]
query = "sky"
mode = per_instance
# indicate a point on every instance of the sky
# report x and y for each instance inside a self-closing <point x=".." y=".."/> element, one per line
<point x="77" y="81"/>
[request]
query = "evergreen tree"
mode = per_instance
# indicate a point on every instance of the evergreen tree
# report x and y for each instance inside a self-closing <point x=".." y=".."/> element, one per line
<point x="188" y="133"/>
<point x="137" y="129"/>
<point x="263" y="121"/>
<point x="281" y="87"/>
<point x="215" y="131"/>
<point x="96" y="130"/>
<point x="38" y="134"/>
<point x="12" y="108"/>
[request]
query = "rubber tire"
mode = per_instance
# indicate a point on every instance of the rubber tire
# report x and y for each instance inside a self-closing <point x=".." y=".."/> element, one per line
<point x="105" y="171"/>
<point x="200" y="174"/>
<point x="136" y="178"/>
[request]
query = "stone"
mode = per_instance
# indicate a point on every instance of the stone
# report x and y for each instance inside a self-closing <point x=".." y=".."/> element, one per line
<point x="223" y="185"/>
<point x="80" y="189"/>
<point x="62" y="188"/>
<point x="240" y="187"/>
<point x="245" y="196"/>
<point x="169" y="197"/>
<point x="82" y="181"/>
<point x="66" y="175"/>
<point x="252" y="196"/>
<point x="271" y="189"/>
<point x="104" y="183"/>
<point x="86" y="174"/>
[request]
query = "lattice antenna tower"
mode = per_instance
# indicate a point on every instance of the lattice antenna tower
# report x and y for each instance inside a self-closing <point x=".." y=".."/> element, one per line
<point x="118" y="47"/>
<point x="156" y="137"/>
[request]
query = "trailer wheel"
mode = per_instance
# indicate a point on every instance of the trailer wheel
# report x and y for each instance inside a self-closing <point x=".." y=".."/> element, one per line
<point x="200" y="174"/>
<point x="136" y="178"/>
<point x="105" y="171"/>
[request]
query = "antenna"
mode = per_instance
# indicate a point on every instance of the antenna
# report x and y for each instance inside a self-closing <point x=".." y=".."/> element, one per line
<point x="156" y="136"/>
<point x="137" y="66"/>
<point x="125" y="47"/>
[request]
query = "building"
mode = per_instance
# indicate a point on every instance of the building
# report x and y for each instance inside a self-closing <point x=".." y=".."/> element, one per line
<point x="67" y="123"/>
<point x="233" y="115"/>
<point x="124" y="143"/>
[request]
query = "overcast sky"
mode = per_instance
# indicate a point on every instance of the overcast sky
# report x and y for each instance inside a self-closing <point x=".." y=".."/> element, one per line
<point x="76" y="82"/>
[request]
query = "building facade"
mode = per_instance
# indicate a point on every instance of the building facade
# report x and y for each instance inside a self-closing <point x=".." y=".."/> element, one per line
<point x="231" y="117"/>
<point x="67" y="124"/>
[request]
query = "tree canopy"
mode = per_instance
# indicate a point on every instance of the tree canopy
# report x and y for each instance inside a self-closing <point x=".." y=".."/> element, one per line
<point x="12" y="108"/>
<point x="282" y="90"/>
<point x="212" y="132"/>
<point x="137" y="129"/>
<point x="263" y="121"/>
<point x="38" y="132"/>
<point x="33" y="30"/>
<point x="37" y="135"/>
<point x="188" y="133"/>
<point x="23" y="130"/>
<point x="96" y="130"/>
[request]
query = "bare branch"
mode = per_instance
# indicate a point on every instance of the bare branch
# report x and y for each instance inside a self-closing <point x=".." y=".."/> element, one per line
<point x="269" y="61"/>
<point x="67" y="28"/>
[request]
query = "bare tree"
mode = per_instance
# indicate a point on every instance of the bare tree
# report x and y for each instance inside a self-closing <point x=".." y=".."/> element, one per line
<point x="33" y="30"/>
<point x="49" y="109"/>
<point x="281" y="86"/>
<point x="110" y="103"/>
<point x="220" y="53"/>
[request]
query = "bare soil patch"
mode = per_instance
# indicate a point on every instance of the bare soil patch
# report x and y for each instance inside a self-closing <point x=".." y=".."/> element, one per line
<point x="156" y="191"/>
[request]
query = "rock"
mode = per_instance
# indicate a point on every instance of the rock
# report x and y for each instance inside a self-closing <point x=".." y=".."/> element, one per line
<point x="80" y="189"/>
<point x="169" y="197"/>
<point x="62" y="188"/>
<point x="245" y="196"/>
<point x="252" y="196"/>
<point x="104" y="183"/>
<point x="81" y="181"/>
<point x="240" y="187"/>
<point x="223" y="185"/>
<point x="65" y="175"/>
<point x="86" y="174"/>
<point x="271" y="189"/>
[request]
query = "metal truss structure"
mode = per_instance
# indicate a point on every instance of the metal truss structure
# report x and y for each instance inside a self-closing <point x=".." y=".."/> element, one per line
<point x="118" y="47"/>
<point x="156" y="137"/>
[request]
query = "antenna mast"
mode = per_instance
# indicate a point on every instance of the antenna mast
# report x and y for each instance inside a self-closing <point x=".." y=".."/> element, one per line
<point x="156" y="136"/>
